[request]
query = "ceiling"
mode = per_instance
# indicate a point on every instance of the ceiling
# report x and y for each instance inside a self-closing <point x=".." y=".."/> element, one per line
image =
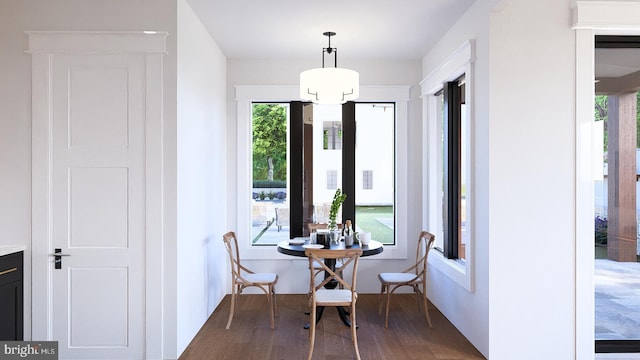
<point x="366" y="29"/>
<point x="616" y="62"/>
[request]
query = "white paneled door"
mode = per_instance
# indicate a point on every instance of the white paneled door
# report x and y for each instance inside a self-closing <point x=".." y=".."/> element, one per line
<point x="91" y="147"/>
<point x="98" y="204"/>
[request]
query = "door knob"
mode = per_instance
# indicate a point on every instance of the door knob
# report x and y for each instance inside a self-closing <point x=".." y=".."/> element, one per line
<point x="57" y="258"/>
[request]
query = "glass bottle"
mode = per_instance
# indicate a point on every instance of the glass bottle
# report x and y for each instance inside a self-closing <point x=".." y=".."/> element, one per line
<point x="314" y="216"/>
<point x="348" y="230"/>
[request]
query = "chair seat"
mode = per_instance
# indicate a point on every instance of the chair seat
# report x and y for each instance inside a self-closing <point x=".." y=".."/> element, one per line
<point x="393" y="278"/>
<point x="260" y="277"/>
<point x="414" y="276"/>
<point x="243" y="277"/>
<point x="325" y="297"/>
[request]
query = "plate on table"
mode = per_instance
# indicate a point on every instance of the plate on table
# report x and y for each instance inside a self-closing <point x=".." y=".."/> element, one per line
<point x="313" y="246"/>
<point x="296" y="241"/>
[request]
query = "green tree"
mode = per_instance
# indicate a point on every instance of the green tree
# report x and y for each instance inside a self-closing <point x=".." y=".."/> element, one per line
<point x="601" y="114"/>
<point x="269" y="141"/>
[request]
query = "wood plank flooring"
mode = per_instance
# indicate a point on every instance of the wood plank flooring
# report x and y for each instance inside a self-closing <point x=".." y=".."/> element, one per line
<point x="250" y="337"/>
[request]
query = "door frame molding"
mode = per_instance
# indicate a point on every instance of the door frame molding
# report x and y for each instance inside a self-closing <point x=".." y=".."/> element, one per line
<point x="590" y="18"/>
<point x="43" y="47"/>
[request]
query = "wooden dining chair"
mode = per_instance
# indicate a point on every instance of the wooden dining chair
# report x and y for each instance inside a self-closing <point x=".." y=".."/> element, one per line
<point x="243" y="278"/>
<point x="322" y="226"/>
<point x="344" y="295"/>
<point x="415" y="277"/>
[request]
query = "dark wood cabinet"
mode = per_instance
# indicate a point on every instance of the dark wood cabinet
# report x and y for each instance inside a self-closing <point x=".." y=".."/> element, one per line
<point x="11" y="297"/>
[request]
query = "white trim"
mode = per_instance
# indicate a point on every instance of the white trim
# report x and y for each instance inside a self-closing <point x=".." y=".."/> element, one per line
<point x="154" y="211"/>
<point x="97" y="42"/>
<point x="44" y="45"/>
<point x="246" y="94"/>
<point x="450" y="69"/>
<point x="590" y="18"/>
<point x="618" y="356"/>
<point x="607" y="16"/>
<point x="41" y="322"/>
<point x="286" y="93"/>
<point x="584" y="292"/>
<point x="459" y="63"/>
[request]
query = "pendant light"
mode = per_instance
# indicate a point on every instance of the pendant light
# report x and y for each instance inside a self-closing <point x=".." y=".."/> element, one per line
<point x="328" y="85"/>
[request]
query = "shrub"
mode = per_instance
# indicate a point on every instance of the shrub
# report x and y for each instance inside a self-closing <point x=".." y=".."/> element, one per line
<point x="269" y="184"/>
<point x="601" y="230"/>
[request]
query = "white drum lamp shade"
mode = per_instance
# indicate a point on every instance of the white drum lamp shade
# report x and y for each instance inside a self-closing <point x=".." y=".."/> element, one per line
<point x="329" y="85"/>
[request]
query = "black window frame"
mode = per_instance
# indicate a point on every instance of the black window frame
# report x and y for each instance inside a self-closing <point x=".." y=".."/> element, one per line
<point x="296" y="163"/>
<point x="453" y="99"/>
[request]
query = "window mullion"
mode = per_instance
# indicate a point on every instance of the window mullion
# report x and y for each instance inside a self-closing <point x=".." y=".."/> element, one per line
<point x="296" y="162"/>
<point x="349" y="161"/>
<point x="452" y="138"/>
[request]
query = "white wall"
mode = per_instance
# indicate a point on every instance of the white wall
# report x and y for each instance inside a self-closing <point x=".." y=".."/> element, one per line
<point x="532" y="167"/>
<point x="17" y="16"/>
<point x="469" y="311"/>
<point x="202" y="272"/>
<point x="524" y="177"/>
<point x="15" y="137"/>
<point x="286" y="72"/>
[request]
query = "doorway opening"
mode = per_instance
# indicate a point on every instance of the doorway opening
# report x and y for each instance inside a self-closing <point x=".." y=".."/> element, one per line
<point x="616" y="184"/>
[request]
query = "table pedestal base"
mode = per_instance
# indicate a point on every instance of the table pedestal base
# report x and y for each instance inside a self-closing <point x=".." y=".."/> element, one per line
<point x="344" y="316"/>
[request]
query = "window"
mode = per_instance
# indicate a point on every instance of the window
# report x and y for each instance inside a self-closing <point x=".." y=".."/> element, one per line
<point x="448" y="164"/>
<point x="270" y="170"/>
<point x="365" y="132"/>
<point x="374" y="151"/>
<point x="367" y="179"/>
<point x="332" y="179"/>
<point x="332" y="135"/>
<point x="455" y="167"/>
<point x="395" y="222"/>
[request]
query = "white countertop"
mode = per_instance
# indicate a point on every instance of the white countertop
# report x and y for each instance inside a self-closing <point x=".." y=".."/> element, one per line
<point x="6" y="249"/>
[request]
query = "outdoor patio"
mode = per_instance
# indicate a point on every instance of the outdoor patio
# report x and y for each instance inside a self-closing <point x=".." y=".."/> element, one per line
<point x="617" y="300"/>
<point x="375" y="219"/>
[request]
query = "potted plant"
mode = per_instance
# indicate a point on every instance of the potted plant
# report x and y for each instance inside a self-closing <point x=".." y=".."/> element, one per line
<point x="338" y="199"/>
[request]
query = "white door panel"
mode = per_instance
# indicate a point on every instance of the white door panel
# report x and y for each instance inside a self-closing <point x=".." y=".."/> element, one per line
<point x="110" y="299"/>
<point x="97" y="193"/>
<point x="98" y="205"/>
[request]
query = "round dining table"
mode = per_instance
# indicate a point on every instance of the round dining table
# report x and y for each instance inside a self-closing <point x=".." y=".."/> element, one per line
<point x="295" y="247"/>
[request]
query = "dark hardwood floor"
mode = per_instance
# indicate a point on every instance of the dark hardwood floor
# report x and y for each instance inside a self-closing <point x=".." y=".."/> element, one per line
<point x="250" y="337"/>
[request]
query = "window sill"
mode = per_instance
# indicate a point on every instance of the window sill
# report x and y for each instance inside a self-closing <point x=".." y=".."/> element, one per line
<point x="456" y="270"/>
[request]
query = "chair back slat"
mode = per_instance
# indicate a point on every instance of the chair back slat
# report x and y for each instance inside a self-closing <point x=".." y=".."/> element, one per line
<point x="231" y="244"/>
<point x="317" y="265"/>
<point x="425" y="243"/>
<point x="264" y="281"/>
<point x="418" y="281"/>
